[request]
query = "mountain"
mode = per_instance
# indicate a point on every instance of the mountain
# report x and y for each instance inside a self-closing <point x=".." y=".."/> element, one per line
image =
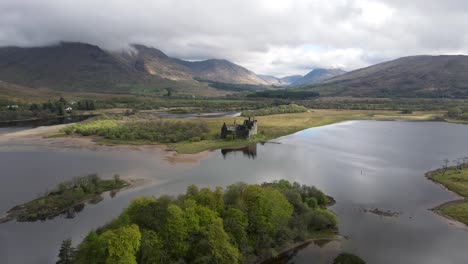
<point x="415" y="76"/>
<point x="223" y="71"/>
<point x="287" y="80"/>
<point x="85" y="67"/>
<point x="317" y="76"/>
<point x="272" y="80"/>
<point x="290" y="79"/>
<point x="155" y="62"/>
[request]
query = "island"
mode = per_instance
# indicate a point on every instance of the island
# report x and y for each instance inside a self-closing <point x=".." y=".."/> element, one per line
<point x="244" y="223"/>
<point x="66" y="196"/>
<point x="455" y="179"/>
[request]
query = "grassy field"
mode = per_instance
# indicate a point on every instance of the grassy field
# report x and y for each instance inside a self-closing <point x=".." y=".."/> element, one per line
<point x="458" y="211"/>
<point x="269" y="127"/>
<point x="457" y="181"/>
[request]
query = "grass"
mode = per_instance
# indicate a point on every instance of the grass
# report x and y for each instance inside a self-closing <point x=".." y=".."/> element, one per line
<point x="64" y="197"/>
<point x="269" y="127"/>
<point x="457" y="211"/>
<point x="456" y="181"/>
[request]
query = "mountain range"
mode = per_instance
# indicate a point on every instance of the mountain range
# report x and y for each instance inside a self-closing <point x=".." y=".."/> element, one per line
<point x="414" y="76"/>
<point x="88" y="68"/>
<point x="317" y="76"/>
<point x="85" y="67"/>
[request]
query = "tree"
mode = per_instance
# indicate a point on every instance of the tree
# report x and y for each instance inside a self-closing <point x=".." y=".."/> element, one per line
<point x="454" y="112"/>
<point x="63" y="101"/>
<point x="267" y="212"/>
<point x="235" y="224"/>
<point x="67" y="253"/>
<point x="151" y="248"/>
<point x="174" y="233"/>
<point x="148" y="212"/>
<point x="209" y="242"/>
<point x="321" y="219"/>
<point x="122" y="244"/>
<point x="347" y="258"/>
<point x="92" y="250"/>
<point x="211" y="199"/>
<point x="445" y="165"/>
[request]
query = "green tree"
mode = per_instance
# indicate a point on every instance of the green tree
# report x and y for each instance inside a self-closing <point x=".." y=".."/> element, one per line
<point x="150" y="248"/>
<point x="320" y="219"/>
<point x="235" y="224"/>
<point x="174" y="233"/>
<point x="148" y="212"/>
<point x="211" y="199"/>
<point x="347" y="258"/>
<point x="209" y="242"/>
<point x="267" y="212"/>
<point x="67" y="253"/>
<point x="93" y="250"/>
<point x="454" y="112"/>
<point x="122" y="244"/>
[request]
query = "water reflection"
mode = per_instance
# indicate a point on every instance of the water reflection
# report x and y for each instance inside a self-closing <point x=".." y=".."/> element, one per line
<point x="249" y="151"/>
<point x="321" y="251"/>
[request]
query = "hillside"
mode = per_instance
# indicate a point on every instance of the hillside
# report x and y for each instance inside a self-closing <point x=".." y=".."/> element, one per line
<point x="290" y="79"/>
<point x="75" y="67"/>
<point x="415" y="76"/>
<point x="287" y="80"/>
<point x="223" y="71"/>
<point x="88" y="68"/>
<point x="317" y="76"/>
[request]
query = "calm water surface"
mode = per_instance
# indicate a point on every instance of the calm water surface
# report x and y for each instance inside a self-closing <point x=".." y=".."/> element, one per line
<point x="362" y="164"/>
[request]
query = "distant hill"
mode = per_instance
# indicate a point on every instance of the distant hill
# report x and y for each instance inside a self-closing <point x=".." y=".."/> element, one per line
<point x="317" y="76"/>
<point x="272" y="80"/>
<point x="223" y="71"/>
<point x="415" y="76"/>
<point x="85" y="67"/>
<point x="290" y="79"/>
<point x="287" y="80"/>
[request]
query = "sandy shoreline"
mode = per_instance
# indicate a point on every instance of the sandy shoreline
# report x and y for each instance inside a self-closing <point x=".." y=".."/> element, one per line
<point x="41" y="136"/>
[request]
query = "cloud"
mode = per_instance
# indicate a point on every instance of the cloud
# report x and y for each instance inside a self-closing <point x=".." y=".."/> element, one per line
<point x="268" y="36"/>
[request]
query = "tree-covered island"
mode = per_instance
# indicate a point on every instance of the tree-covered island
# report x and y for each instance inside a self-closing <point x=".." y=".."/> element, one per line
<point x="244" y="223"/>
<point x="64" y="197"/>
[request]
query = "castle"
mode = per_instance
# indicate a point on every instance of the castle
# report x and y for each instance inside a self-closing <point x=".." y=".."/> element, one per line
<point x="246" y="130"/>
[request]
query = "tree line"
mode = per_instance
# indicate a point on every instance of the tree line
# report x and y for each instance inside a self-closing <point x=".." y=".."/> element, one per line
<point x="162" y="131"/>
<point x="50" y="109"/>
<point x="281" y="109"/>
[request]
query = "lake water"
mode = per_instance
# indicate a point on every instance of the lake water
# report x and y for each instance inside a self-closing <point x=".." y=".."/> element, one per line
<point x="362" y="164"/>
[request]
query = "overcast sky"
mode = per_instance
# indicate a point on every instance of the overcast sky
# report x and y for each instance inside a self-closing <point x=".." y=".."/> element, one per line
<point x="277" y="37"/>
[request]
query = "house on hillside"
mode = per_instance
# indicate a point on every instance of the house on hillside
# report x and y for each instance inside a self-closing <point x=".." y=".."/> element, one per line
<point x="246" y="130"/>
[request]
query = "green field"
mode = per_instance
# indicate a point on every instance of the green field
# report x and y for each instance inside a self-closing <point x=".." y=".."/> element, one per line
<point x="455" y="180"/>
<point x="458" y="211"/>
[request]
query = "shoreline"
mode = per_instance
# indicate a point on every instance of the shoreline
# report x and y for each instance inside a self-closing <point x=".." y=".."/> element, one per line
<point x="299" y="245"/>
<point x="44" y="136"/>
<point x="439" y="208"/>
